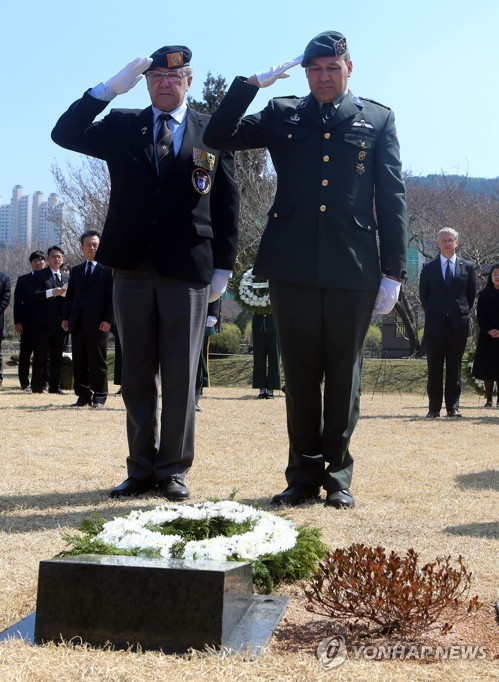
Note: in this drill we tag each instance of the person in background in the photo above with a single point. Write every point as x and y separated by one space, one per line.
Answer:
88 315
340 194
486 363
4 302
266 356
447 289
203 376
170 236
24 318
50 289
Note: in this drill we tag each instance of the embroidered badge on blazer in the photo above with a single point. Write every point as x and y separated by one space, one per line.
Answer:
201 181
203 159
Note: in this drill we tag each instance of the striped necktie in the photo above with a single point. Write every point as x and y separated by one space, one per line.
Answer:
164 142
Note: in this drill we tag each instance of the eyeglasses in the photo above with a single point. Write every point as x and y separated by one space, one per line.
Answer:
156 77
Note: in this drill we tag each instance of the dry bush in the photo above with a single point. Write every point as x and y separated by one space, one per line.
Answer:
388 595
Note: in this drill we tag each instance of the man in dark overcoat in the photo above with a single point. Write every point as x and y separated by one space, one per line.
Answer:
447 290
24 317
4 302
50 289
339 191
170 236
88 315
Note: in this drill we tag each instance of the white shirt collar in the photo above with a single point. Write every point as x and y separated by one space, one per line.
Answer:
178 114
443 259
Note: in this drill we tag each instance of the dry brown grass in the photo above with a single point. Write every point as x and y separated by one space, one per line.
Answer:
427 485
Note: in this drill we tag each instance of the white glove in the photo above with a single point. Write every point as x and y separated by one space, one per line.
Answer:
273 73
211 321
387 296
218 286
129 76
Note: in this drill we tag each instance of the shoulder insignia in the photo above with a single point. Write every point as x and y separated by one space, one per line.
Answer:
373 101
303 102
358 102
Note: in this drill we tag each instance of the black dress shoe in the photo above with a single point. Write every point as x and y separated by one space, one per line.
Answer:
57 391
432 414
97 404
81 402
132 486
454 412
174 489
296 494
340 499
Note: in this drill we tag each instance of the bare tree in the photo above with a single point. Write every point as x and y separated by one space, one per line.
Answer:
84 188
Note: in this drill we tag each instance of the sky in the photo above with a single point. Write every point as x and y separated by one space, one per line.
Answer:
434 62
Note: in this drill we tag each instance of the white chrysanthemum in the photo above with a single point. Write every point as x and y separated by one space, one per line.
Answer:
270 534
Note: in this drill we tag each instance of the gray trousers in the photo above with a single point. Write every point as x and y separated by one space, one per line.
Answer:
321 334
161 324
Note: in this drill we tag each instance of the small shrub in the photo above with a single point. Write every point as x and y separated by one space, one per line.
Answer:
387 595
228 341
372 341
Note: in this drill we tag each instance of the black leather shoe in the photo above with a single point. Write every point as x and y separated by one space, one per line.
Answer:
340 499
132 486
432 414
296 494
454 412
81 402
174 489
97 404
57 391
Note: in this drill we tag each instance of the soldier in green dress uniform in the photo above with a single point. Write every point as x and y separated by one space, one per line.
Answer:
333 249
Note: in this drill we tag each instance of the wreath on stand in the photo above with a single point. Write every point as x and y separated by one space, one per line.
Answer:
252 293
475 384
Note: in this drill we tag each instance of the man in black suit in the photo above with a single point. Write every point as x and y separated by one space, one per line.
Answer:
337 157
4 302
88 315
170 236
24 316
447 289
50 288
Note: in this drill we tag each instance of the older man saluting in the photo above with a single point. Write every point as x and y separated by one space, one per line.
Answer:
170 236
337 158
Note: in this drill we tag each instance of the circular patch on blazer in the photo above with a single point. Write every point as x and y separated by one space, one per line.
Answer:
201 181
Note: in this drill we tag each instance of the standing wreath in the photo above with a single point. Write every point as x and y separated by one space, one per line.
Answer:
252 293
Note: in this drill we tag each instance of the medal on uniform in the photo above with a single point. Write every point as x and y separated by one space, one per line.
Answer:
361 156
203 159
360 169
201 181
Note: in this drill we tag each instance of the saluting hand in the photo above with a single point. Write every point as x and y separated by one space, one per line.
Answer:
273 73
129 76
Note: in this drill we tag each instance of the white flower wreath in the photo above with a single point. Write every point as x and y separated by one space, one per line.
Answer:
254 294
269 535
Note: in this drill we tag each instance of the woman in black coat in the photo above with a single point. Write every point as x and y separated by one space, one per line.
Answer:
486 364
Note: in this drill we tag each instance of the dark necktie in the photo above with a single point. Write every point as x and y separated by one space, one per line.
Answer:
164 141
327 110
58 280
88 271
448 275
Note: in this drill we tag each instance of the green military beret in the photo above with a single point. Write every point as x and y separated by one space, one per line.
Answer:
326 44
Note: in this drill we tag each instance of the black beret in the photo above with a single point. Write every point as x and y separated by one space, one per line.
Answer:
170 57
327 44
36 254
